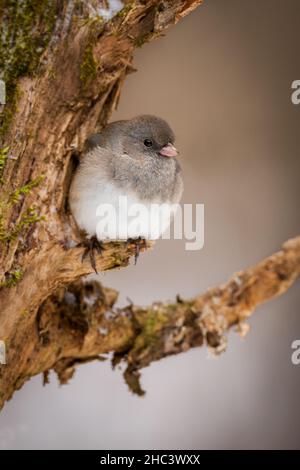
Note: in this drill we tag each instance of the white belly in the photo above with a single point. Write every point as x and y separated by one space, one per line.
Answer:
111 215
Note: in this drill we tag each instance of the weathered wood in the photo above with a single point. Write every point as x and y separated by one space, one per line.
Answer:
63 66
79 323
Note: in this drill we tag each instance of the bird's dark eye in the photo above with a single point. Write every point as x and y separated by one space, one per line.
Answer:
148 143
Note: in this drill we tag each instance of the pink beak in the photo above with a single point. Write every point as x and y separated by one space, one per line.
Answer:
169 151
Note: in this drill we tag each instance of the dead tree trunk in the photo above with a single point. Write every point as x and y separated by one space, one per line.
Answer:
63 65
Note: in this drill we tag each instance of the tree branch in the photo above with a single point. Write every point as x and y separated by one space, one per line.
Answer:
79 324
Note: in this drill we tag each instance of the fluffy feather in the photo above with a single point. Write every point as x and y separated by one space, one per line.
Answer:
117 164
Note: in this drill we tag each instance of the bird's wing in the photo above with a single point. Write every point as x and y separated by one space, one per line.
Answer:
106 138
94 140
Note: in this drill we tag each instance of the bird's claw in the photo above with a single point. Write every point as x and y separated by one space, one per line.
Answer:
91 245
138 243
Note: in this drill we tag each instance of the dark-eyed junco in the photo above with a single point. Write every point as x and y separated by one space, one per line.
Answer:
131 161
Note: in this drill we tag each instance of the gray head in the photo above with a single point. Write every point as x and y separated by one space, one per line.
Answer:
151 168
149 136
144 137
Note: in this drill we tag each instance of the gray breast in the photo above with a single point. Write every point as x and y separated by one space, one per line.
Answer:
154 180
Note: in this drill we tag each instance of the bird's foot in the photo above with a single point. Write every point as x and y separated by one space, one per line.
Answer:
91 245
138 242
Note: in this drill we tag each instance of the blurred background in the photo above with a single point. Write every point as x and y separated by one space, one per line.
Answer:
222 78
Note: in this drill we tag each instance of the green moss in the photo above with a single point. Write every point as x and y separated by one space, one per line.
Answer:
88 66
155 322
26 28
29 217
3 158
150 323
15 196
11 279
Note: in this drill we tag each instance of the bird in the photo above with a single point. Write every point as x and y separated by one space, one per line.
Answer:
133 159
